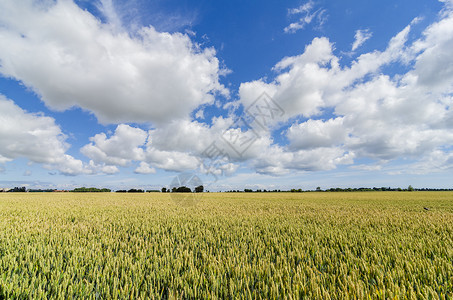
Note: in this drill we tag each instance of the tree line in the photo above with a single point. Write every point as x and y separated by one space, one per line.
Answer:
361 189
183 189
200 189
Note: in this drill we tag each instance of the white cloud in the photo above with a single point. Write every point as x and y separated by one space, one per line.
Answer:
307 83
373 115
183 145
69 58
299 90
434 66
364 167
176 146
35 137
361 36
436 161
334 113
304 8
108 169
278 161
448 4
199 114
407 116
171 160
120 149
144 168
185 136
306 15
107 8
317 133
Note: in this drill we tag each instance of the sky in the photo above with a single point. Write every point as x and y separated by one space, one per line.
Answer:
239 94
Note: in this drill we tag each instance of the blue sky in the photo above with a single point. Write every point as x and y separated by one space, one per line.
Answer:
245 94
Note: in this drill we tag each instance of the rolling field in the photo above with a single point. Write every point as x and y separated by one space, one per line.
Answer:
229 245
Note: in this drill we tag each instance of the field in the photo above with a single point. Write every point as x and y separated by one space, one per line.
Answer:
229 245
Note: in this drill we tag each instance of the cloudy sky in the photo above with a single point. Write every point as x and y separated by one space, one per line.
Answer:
246 94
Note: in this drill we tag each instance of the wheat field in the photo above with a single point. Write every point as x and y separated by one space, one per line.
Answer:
382 245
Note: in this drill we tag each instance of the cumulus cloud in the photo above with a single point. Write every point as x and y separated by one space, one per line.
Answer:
361 36
169 148
370 114
314 80
174 147
35 137
70 58
178 146
110 170
317 133
334 113
279 161
185 136
144 168
434 66
436 161
375 115
171 160
191 146
119 149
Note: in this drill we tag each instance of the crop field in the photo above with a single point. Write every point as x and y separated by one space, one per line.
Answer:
229 245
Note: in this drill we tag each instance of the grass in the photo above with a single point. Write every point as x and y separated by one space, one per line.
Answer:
230 245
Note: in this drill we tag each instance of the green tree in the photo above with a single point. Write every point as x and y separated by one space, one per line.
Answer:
183 189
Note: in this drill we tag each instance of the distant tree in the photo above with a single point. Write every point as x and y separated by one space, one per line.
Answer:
164 190
18 190
39 191
183 189
318 189
199 189
410 188
91 190
248 190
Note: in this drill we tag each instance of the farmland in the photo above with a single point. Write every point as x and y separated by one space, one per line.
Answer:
228 245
